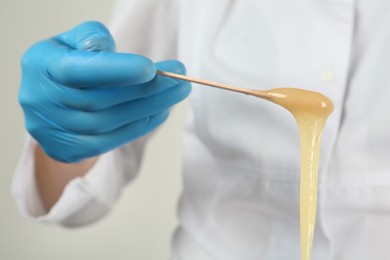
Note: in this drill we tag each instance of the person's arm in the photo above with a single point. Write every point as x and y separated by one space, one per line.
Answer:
82 100
52 176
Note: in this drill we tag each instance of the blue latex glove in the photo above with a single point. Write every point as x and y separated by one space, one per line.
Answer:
81 99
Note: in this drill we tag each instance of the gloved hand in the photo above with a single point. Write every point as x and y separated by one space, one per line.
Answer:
81 99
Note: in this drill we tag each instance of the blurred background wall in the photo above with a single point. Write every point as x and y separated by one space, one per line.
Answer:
141 224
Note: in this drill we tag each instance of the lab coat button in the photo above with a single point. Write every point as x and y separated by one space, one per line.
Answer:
327 76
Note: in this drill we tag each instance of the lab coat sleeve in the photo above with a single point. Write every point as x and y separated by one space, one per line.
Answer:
85 199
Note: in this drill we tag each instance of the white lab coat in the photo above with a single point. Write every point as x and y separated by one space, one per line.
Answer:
241 154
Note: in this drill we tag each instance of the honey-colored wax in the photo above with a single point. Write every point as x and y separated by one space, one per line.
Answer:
310 110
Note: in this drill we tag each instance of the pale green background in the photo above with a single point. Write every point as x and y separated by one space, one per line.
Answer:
141 224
